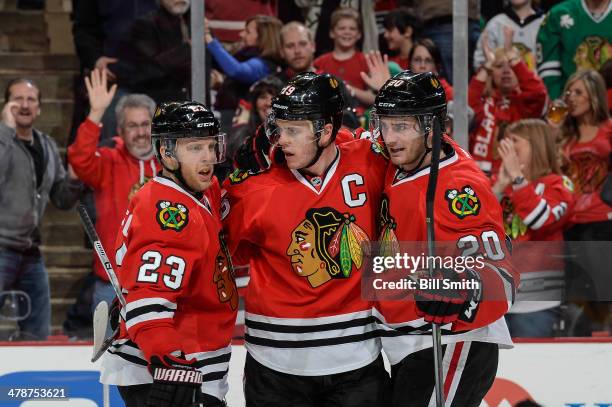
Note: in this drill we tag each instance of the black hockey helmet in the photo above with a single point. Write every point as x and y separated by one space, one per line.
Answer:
310 96
413 94
185 119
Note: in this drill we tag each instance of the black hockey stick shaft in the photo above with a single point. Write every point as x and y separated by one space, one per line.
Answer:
431 248
97 245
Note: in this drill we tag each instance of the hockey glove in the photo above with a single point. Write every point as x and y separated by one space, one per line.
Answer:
176 383
448 296
114 314
256 154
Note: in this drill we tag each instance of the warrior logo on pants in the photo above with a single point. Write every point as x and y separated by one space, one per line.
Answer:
326 245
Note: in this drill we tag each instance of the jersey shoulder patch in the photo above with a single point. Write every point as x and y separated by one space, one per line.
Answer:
463 202
171 215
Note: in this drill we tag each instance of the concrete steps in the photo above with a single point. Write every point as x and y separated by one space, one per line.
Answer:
66 256
65 282
23 31
37 61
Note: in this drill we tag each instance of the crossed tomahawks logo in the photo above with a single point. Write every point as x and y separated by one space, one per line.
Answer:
171 216
463 203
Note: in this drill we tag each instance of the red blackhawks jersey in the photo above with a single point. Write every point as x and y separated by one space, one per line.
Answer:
302 238
535 217
176 274
466 212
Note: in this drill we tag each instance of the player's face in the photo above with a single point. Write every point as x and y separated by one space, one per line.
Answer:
28 106
504 77
297 140
577 99
196 156
522 147
136 132
346 33
422 61
249 34
298 50
403 138
301 250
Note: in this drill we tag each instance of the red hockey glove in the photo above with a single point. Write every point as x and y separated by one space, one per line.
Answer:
448 296
256 153
176 383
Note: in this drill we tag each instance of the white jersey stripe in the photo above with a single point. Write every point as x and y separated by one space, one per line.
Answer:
150 316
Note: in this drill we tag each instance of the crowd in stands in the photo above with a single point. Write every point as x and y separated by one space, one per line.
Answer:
539 110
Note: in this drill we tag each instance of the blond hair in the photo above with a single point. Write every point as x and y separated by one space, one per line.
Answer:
544 149
598 99
342 13
295 26
268 35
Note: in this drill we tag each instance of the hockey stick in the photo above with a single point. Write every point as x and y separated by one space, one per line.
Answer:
431 248
108 268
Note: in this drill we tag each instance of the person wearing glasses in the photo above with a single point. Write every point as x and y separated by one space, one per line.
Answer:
115 173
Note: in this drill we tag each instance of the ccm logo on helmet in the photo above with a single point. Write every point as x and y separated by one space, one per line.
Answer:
280 106
386 104
205 124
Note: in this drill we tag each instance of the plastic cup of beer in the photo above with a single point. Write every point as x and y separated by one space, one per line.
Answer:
557 111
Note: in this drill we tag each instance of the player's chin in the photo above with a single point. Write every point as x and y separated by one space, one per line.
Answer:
294 162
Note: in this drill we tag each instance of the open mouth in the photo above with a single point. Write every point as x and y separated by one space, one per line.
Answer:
206 174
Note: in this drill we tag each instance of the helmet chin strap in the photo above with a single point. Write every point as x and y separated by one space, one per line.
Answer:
427 148
320 150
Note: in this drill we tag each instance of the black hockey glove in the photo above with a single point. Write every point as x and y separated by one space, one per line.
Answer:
114 314
255 155
448 296
175 382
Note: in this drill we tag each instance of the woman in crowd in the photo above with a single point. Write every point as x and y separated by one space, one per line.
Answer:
503 91
258 58
425 57
586 137
537 203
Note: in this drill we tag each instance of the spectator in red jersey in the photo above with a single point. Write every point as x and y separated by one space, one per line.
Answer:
402 26
587 144
425 57
114 173
537 202
504 90
346 61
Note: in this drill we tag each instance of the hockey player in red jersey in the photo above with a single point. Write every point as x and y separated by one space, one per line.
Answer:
311 338
175 272
467 215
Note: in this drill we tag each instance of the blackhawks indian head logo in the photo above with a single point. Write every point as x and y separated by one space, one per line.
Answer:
389 245
326 245
173 216
592 53
223 276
